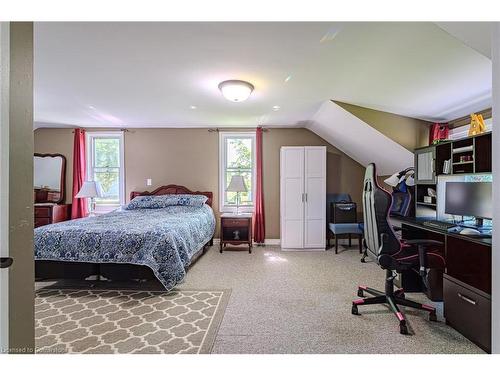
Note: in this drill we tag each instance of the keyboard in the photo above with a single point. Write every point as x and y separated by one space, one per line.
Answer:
441 225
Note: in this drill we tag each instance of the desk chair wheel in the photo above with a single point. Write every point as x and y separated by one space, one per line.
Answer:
354 310
360 293
403 329
433 317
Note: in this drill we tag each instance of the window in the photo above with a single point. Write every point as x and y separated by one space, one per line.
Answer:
463 131
105 165
236 157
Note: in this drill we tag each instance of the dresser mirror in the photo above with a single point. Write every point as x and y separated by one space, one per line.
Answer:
49 178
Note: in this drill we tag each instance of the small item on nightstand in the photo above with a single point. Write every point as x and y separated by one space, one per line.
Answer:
236 235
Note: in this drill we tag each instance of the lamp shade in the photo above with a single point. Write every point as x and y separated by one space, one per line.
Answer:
90 189
393 180
237 185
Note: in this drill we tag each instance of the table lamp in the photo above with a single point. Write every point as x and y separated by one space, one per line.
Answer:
237 185
90 189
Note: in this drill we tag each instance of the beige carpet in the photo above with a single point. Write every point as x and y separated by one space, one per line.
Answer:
119 321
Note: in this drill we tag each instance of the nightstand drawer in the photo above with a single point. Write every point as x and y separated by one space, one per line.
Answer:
39 221
235 222
43 212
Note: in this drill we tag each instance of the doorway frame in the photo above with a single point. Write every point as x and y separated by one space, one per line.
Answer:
4 181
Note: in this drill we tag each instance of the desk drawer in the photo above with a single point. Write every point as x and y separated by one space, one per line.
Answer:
235 222
468 312
43 212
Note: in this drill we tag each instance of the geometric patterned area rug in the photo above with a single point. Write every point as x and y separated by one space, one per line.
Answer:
127 321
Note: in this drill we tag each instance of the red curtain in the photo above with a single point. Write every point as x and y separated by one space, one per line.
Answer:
79 206
438 131
259 224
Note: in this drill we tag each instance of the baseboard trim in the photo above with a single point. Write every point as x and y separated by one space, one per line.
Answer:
267 242
304 250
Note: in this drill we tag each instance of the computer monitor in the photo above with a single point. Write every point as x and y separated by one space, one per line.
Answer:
469 199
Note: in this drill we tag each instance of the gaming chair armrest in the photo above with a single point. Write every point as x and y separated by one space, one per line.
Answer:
396 228
424 243
422 246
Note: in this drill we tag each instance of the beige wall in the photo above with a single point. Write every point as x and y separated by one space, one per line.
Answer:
21 273
409 132
190 157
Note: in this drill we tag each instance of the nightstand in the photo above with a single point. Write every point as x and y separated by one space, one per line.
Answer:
236 230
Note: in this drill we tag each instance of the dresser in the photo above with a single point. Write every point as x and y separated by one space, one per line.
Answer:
47 213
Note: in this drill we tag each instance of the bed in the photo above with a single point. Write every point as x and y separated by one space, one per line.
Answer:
138 243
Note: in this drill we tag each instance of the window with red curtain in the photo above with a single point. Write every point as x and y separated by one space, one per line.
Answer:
259 224
79 205
438 131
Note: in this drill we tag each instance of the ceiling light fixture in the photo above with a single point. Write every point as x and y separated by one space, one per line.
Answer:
236 90
276 108
192 107
288 78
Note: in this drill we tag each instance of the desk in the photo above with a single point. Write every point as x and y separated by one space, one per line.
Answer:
466 281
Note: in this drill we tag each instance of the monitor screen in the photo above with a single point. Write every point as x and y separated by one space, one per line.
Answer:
469 199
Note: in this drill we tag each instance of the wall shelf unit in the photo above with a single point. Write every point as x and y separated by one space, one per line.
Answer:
471 155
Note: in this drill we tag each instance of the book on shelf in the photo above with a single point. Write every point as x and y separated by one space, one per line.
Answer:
447 166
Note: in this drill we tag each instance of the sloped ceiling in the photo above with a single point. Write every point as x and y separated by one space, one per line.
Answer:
150 74
359 140
476 35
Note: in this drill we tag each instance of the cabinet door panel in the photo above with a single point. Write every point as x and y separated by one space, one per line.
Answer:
424 162
292 196
315 198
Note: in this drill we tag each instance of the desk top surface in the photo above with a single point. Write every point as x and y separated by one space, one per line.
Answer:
416 222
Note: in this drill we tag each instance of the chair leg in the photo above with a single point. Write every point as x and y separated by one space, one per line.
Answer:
336 244
419 306
349 239
373 292
403 329
367 301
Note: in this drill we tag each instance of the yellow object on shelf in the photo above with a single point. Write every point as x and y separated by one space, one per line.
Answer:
477 125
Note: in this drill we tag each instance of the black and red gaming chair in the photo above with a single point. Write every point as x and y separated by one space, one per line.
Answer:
392 254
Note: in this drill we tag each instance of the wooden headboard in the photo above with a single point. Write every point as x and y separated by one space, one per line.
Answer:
173 189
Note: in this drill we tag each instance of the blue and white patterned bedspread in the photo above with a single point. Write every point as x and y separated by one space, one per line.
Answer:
163 239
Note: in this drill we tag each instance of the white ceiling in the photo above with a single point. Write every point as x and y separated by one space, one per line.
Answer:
476 35
149 74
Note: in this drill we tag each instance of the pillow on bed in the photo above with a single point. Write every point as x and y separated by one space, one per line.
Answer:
162 201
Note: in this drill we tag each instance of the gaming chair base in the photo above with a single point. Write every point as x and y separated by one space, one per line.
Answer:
393 299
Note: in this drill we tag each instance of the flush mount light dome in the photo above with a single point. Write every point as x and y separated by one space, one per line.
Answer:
235 90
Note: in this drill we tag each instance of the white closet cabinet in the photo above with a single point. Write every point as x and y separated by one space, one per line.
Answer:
303 197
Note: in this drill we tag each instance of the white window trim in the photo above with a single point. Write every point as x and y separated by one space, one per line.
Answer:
463 131
111 134
222 163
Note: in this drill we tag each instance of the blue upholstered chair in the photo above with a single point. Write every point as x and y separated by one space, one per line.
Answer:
343 221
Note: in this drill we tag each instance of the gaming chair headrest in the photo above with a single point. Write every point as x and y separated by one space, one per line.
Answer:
376 205
370 180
